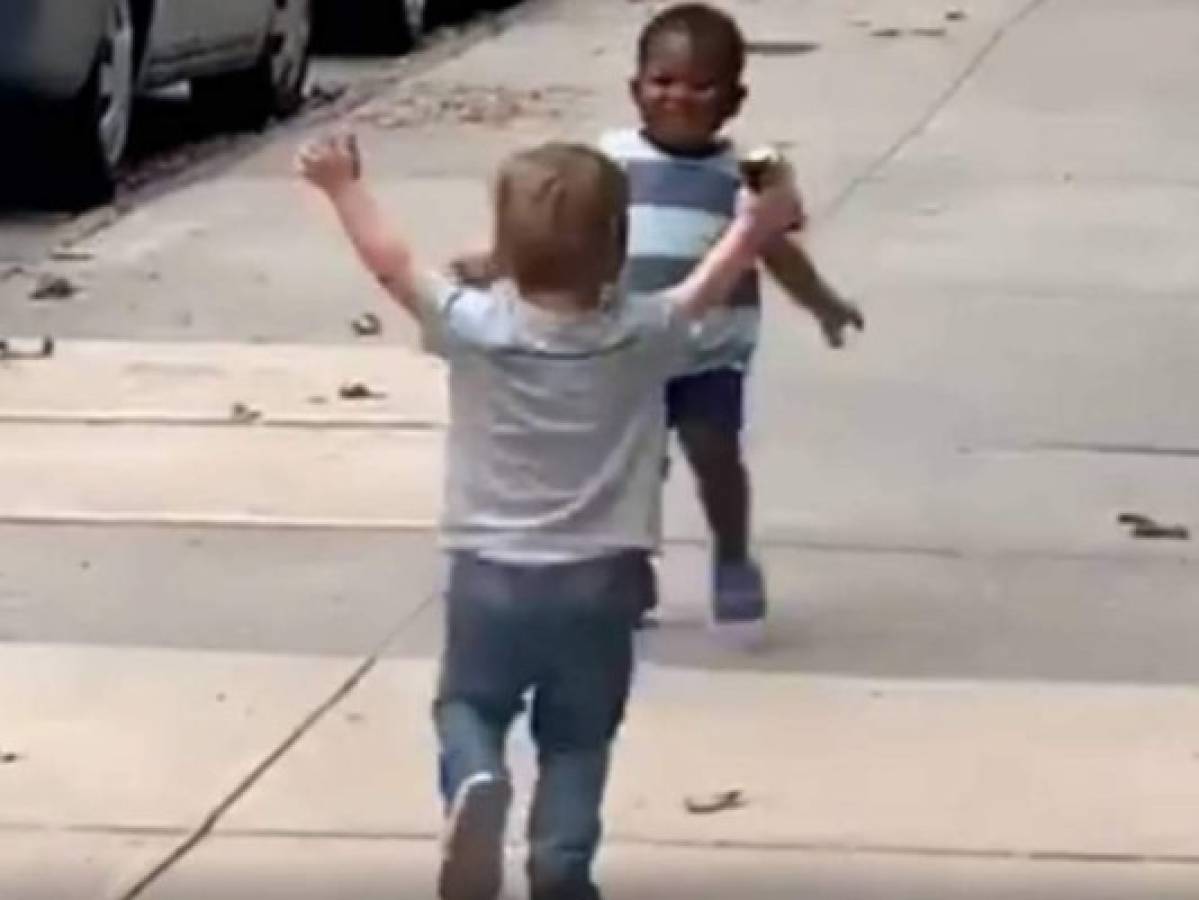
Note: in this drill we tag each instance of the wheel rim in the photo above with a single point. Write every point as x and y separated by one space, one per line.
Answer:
415 12
114 78
293 31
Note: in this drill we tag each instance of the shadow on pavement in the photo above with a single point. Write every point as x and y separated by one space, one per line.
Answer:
885 615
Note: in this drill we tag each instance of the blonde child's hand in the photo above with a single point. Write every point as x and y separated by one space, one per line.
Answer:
330 163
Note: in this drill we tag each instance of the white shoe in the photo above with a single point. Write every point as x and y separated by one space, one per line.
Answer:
472 862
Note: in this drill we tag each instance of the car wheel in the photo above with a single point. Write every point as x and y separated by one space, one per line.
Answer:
496 5
274 87
373 26
88 134
414 20
450 12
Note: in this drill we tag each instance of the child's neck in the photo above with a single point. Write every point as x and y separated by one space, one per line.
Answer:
565 303
712 145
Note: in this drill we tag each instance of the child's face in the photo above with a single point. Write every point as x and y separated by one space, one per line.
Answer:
685 93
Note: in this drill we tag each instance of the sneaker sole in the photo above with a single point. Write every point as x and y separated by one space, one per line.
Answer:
473 867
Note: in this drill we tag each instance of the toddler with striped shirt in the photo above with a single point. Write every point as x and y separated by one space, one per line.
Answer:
683 181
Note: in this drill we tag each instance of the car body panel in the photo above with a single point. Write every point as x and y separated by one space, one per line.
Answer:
189 38
48 47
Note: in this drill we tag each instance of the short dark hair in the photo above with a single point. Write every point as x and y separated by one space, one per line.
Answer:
704 25
560 218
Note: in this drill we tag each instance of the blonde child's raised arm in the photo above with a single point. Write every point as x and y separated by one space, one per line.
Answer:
333 166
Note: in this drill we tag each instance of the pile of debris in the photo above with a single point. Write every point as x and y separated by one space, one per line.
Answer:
429 103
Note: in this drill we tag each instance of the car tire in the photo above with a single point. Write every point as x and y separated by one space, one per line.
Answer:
450 12
84 139
496 5
274 86
373 26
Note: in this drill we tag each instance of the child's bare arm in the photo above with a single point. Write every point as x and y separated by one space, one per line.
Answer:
761 219
333 166
791 266
478 270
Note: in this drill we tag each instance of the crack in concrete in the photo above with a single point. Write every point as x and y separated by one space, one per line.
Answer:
928 851
1100 448
780 540
95 828
849 848
832 847
197 835
105 419
917 128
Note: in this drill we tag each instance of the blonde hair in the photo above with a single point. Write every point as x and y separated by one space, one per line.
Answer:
560 219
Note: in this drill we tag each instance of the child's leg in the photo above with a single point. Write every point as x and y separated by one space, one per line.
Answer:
578 706
483 676
483 673
714 454
706 410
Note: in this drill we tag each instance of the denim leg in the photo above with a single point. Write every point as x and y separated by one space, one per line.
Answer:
564 824
470 742
578 705
484 669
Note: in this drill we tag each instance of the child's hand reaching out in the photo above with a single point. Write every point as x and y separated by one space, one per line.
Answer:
836 315
330 163
768 177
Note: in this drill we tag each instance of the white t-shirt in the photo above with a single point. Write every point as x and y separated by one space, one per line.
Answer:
557 424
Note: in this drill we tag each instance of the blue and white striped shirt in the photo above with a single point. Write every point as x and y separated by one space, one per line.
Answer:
679 206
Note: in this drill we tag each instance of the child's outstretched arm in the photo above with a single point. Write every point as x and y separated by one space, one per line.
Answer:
791 266
477 270
333 166
762 218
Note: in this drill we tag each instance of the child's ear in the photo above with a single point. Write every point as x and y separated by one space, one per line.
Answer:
740 93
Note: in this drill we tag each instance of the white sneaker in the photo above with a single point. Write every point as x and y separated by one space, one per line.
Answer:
472 862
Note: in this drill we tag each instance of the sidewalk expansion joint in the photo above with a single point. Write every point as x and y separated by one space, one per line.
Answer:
867 848
617 839
777 542
94 828
804 847
159 420
943 100
205 828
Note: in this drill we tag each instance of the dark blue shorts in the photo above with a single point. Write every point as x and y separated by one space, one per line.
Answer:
715 398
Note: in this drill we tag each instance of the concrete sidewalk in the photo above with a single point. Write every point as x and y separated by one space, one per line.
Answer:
290 868
114 432
853 786
979 685
111 432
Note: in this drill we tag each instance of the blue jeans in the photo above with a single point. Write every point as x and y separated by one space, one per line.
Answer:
562 634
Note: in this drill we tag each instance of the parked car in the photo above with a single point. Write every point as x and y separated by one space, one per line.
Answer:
390 26
69 71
